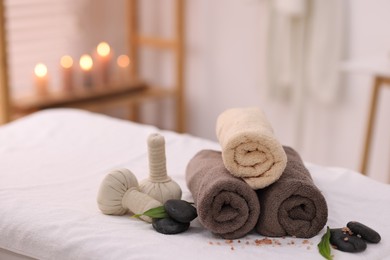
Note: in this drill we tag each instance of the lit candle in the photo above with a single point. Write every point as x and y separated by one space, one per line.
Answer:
123 69
41 79
103 58
86 64
67 72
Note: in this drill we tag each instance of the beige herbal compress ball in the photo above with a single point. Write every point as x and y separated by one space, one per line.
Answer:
159 185
118 193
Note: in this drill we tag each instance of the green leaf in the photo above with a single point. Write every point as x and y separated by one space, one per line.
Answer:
324 245
158 212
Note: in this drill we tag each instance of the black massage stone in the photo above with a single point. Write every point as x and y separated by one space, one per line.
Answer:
365 232
180 210
169 226
343 240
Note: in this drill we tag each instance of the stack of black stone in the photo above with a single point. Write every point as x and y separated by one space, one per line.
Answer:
353 238
180 214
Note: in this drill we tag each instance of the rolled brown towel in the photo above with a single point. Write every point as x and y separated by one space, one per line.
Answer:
226 205
293 205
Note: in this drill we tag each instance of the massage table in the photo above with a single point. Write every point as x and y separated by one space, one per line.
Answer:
53 161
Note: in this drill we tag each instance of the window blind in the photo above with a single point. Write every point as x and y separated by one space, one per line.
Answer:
38 31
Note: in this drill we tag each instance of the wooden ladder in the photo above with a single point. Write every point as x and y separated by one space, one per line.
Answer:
5 109
175 44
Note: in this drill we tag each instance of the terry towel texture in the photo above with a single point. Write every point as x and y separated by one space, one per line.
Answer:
226 205
249 147
293 205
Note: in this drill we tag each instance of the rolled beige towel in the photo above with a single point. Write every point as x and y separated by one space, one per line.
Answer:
249 148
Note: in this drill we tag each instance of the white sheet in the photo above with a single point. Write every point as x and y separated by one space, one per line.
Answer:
51 165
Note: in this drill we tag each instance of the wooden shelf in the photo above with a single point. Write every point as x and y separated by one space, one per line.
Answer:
77 98
93 99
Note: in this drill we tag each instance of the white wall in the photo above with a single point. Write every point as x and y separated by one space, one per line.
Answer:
225 68
223 60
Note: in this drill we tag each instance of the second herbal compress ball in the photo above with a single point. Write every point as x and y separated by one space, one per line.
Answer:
159 185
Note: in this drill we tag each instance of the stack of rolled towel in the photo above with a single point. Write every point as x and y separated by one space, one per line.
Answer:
254 182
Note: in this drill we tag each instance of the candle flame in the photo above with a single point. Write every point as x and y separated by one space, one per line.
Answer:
123 61
40 70
103 49
86 62
66 62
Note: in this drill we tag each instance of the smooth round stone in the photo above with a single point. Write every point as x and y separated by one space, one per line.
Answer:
343 241
180 210
169 226
365 232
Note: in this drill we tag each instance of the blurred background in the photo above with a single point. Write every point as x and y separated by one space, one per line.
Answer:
310 66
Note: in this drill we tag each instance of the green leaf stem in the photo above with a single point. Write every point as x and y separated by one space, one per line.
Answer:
324 245
158 212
